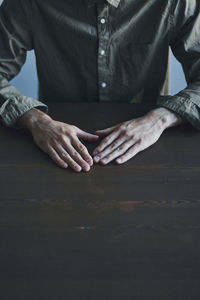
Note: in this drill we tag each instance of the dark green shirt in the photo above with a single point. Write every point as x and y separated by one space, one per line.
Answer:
90 51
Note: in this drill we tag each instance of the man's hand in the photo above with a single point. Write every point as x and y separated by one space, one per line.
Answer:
59 140
126 139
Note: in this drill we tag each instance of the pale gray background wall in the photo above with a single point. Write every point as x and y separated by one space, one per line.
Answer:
26 80
177 78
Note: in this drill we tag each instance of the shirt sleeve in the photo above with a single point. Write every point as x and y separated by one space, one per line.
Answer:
15 41
185 45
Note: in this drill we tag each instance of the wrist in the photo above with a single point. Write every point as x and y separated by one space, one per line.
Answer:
31 118
166 117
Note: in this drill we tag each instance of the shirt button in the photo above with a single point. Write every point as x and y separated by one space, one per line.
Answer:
102 52
103 84
103 21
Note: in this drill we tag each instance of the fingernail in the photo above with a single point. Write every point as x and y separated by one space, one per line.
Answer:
78 168
86 167
96 158
89 160
104 160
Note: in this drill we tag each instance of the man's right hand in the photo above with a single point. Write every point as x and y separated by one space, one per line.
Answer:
59 140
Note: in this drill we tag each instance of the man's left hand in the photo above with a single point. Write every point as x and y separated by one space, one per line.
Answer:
123 141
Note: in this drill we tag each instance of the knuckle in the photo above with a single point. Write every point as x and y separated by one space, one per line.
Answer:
74 128
113 145
82 148
122 127
107 139
72 131
64 154
119 148
70 134
127 133
62 137
75 154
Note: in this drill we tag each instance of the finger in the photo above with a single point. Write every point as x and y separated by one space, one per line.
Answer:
106 142
87 136
82 150
106 130
130 153
78 158
122 148
120 140
117 152
68 148
67 158
56 158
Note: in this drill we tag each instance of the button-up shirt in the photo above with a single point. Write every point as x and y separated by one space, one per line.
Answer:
98 50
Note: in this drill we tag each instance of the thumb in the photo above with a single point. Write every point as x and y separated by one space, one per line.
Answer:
87 136
105 131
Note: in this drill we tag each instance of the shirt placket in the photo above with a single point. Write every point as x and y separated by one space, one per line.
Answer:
103 39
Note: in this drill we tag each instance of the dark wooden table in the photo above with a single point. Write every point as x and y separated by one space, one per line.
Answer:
118 232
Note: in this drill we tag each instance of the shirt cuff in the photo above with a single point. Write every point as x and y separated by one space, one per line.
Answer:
186 108
13 109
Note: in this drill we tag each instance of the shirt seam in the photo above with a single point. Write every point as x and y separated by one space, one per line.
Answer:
171 16
31 22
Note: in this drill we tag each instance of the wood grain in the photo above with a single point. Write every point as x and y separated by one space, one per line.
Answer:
118 232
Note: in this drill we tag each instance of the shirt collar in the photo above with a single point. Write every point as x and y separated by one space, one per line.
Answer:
114 3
